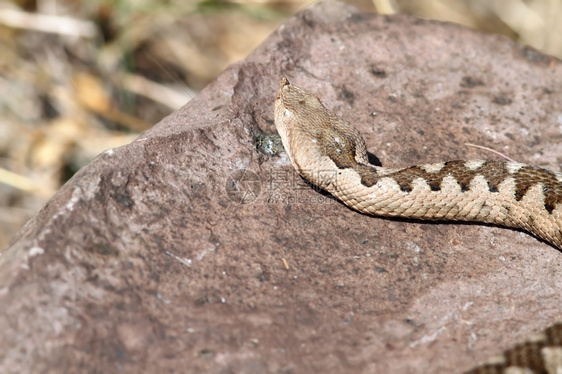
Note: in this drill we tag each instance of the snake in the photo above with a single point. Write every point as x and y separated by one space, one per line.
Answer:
330 153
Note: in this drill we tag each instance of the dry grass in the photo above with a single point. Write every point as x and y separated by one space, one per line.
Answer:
77 78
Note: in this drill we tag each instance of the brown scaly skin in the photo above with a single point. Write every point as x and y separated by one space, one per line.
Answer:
331 154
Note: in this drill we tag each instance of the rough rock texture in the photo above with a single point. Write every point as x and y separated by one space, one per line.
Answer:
162 256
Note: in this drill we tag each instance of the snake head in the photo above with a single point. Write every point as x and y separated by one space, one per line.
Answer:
314 138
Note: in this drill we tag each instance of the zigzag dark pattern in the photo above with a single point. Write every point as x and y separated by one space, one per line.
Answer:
529 356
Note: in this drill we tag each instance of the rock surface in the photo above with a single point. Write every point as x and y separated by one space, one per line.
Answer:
165 256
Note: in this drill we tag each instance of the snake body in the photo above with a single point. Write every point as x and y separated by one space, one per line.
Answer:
331 154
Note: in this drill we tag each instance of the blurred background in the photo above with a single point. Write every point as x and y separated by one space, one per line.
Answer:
79 77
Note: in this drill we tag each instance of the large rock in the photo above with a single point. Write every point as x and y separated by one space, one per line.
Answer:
163 256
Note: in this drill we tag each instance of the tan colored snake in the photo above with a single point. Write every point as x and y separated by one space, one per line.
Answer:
331 154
